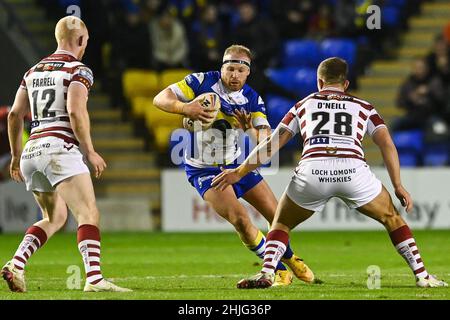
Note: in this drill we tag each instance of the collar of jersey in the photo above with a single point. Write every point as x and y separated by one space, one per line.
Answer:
332 89
65 52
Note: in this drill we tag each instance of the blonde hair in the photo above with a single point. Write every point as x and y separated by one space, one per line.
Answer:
238 49
69 28
333 70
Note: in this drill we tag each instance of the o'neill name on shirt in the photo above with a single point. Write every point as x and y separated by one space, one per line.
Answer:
331 105
44 82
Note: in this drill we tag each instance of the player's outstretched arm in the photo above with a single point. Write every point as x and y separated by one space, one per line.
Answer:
260 155
18 111
77 96
167 101
383 140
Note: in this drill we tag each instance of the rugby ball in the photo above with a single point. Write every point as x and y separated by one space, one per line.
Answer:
209 101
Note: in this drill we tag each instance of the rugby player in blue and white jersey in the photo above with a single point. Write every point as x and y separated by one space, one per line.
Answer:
241 108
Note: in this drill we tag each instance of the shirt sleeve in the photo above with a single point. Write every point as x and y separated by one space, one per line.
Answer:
23 83
374 122
84 76
290 121
188 88
259 114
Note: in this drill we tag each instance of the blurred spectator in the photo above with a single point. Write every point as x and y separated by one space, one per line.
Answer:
258 34
262 84
5 155
421 96
321 24
184 10
130 48
150 9
439 64
345 15
291 17
447 33
208 41
439 59
99 29
169 42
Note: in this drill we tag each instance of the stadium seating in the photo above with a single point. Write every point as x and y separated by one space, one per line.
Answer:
436 155
343 48
408 158
410 146
409 140
138 106
140 86
172 76
155 117
301 53
140 83
159 123
305 80
277 107
283 77
390 16
394 3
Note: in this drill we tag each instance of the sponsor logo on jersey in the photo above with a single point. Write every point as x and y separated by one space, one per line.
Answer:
203 179
319 140
85 72
189 79
50 66
338 97
68 147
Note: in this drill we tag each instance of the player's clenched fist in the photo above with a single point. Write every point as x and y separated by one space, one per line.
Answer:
97 163
14 170
405 198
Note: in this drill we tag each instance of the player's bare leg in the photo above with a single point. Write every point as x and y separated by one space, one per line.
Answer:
226 204
383 210
288 215
78 193
262 198
54 212
228 207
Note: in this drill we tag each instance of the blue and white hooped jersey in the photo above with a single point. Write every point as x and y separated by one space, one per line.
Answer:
215 148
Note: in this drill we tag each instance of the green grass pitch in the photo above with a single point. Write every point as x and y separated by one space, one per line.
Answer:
204 266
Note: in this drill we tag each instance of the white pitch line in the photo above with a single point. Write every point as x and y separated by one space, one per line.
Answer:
181 276
207 276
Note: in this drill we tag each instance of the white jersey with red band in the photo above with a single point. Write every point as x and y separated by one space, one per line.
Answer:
47 84
332 124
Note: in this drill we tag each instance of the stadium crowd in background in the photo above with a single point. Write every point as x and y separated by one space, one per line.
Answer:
192 33
425 94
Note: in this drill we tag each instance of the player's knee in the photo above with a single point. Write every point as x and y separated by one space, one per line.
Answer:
88 213
391 219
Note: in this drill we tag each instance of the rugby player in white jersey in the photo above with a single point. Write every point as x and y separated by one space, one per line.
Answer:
332 124
51 163
241 108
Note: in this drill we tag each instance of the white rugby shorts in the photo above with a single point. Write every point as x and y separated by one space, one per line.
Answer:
49 160
316 181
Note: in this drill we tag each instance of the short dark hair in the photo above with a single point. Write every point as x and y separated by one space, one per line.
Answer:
333 70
